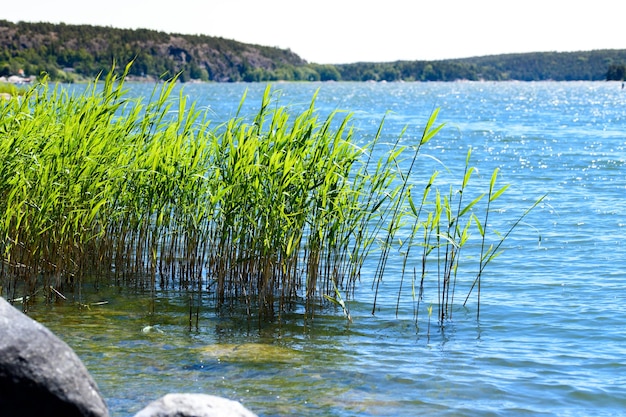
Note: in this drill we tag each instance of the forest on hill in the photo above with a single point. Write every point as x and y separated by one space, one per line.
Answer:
70 53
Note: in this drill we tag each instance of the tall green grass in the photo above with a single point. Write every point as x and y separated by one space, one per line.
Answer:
262 212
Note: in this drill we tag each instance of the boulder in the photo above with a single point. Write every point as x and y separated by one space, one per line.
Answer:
194 405
40 375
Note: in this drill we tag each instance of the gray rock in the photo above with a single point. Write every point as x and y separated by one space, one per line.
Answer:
194 405
40 375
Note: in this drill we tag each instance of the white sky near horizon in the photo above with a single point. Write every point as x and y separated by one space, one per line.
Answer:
346 31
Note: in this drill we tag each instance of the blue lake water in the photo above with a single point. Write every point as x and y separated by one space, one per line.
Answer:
551 335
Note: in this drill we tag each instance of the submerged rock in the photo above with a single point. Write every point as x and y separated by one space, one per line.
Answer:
251 352
40 375
194 405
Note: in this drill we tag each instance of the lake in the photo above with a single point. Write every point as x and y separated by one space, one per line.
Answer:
550 339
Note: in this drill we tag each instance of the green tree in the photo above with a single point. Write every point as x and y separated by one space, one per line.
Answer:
5 70
616 72
328 73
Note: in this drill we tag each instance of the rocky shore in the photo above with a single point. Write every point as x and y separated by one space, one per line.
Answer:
16 79
40 375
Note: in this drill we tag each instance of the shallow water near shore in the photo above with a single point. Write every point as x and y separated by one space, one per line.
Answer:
550 339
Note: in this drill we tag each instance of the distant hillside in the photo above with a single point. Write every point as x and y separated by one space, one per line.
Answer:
78 52
67 51
558 66
536 66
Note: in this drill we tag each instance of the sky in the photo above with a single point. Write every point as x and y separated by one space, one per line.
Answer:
348 31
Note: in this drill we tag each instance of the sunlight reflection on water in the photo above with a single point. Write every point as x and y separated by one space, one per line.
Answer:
550 336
